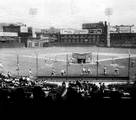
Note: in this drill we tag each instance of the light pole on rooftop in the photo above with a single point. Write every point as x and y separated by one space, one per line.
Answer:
108 13
33 14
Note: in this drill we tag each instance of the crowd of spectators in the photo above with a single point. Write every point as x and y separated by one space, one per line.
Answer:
26 92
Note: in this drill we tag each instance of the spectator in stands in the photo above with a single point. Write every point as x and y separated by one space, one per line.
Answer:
38 95
19 96
20 80
63 84
73 95
102 87
69 83
78 83
2 75
9 75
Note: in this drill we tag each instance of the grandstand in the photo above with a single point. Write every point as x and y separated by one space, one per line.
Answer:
23 93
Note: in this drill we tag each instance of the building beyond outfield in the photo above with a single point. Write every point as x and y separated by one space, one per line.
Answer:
91 34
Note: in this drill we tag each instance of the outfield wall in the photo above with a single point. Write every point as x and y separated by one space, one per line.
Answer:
11 45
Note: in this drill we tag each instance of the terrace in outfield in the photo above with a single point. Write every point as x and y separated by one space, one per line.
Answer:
42 60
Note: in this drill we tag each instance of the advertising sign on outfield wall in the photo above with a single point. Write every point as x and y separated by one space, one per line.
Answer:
11 34
24 29
124 29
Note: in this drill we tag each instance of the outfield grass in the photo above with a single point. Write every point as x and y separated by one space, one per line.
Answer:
27 60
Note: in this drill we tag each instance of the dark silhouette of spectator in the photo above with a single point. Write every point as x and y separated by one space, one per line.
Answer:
63 84
19 95
9 75
78 83
73 96
38 95
102 87
3 96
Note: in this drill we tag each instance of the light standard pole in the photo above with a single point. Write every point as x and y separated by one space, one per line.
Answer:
108 13
97 64
129 66
67 64
36 64
82 69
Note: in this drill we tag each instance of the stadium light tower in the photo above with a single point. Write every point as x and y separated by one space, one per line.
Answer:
33 14
108 13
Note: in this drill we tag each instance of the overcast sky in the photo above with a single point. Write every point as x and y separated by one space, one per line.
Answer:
67 13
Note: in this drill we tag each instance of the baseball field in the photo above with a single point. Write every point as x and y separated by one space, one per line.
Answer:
42 61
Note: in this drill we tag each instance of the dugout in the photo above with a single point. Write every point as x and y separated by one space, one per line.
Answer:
82 57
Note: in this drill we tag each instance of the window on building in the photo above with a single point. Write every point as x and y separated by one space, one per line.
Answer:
30 44
36 44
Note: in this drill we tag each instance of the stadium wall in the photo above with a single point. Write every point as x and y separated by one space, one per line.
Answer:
123 40
11 45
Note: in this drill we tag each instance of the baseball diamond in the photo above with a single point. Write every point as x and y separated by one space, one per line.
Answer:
42 61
